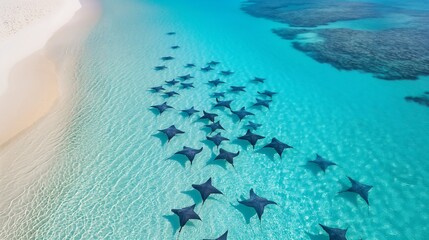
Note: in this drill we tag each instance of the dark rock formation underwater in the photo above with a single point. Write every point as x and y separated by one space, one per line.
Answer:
400 52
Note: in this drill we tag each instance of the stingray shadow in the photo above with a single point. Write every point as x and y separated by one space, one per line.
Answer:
246 127
195 195
234 118
242 143
268 152
348 196
206 130
220 163
314 169
153 91
181 159
155 111
199 120
259 108
236 92
317 236
209 144
162 137
184 115
220 108
211 198
247 212
173 219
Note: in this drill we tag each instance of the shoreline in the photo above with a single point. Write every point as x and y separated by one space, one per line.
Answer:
32 92
28 79
27 158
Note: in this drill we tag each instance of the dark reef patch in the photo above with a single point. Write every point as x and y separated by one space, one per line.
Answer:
422 99
394 54
311 13
397 53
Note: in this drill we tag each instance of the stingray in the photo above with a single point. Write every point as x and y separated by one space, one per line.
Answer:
206 69
172 82
322 162
159 68
175 47
242 113
223 237
359 188
221 103
215 126
226 73
185 77
171 94
267 93
216 82
238 89
161 108
190 111
218 94
167 58
171 33
213 63
335 233
206 189
209 116
258 80
256 202
189 65
171 132
278 146
187 85
253 125
157 89
190 153
251 137
217 139
186 214
261 102
227 156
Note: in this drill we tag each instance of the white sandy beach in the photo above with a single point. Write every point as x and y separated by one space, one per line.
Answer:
25 96
40 42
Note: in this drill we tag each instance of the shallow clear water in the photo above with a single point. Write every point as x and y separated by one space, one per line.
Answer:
115 181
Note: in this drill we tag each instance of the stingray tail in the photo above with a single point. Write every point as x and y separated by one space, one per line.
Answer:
178 235
234 169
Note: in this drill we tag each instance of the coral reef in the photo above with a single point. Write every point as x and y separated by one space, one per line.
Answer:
311 13
394 54
400 53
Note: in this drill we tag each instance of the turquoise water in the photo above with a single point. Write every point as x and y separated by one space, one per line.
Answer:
114 179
